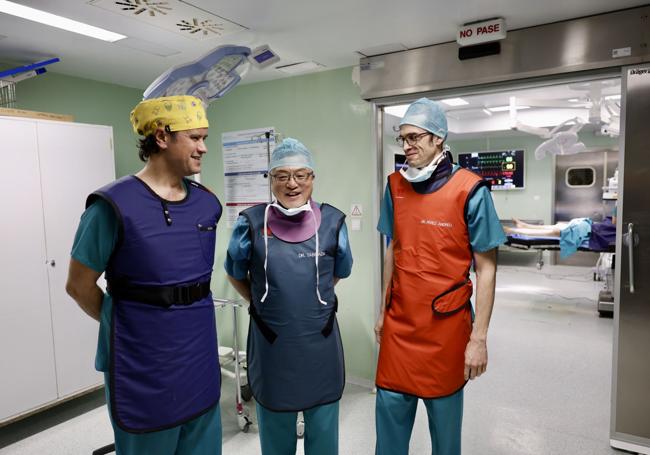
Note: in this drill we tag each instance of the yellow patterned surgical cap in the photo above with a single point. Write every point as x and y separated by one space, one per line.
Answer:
173 113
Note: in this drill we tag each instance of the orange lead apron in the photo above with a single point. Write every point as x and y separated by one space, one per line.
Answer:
428 320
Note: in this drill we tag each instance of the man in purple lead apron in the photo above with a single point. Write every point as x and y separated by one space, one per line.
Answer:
153 233
285 259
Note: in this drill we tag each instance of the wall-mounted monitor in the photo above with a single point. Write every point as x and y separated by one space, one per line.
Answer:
504 170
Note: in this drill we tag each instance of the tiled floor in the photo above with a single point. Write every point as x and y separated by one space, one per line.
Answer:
546 392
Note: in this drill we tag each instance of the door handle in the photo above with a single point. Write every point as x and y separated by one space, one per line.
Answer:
631 240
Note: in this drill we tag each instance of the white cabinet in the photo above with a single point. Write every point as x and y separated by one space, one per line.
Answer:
47 343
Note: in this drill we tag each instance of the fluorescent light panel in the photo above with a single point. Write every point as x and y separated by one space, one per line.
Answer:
454 102
613 97
505 108
397 111
53 20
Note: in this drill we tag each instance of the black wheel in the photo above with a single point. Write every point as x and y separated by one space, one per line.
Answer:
246 392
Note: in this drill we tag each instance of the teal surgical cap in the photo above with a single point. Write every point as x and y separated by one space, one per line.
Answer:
428 115
291 152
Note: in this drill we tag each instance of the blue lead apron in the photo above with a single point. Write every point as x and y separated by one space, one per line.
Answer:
164 368
294 350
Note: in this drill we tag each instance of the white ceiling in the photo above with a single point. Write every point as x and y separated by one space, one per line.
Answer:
329 32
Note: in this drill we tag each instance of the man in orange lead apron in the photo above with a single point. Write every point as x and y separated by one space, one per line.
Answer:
441 219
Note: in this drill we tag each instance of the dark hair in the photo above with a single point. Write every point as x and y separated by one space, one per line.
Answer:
148 146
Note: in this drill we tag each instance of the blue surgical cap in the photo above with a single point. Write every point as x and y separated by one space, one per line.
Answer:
291 152
428 115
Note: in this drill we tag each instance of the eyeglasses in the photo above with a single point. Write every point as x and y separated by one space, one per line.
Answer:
298 176
411 139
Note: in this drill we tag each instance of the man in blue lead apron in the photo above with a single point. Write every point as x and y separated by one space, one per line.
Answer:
285 258
153 233
441 219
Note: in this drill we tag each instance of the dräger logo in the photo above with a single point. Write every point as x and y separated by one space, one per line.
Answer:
443 224
639 72
309 255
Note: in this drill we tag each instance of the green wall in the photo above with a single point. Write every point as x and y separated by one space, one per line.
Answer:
89 102
326 113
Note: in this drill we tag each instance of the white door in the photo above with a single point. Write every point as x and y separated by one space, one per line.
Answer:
27 377
76 159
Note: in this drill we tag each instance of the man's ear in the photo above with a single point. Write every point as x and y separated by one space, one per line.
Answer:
437 140
161 138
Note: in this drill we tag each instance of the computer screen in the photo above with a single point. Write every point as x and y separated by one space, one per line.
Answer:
504 170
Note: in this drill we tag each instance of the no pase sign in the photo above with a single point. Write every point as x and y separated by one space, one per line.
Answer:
481 32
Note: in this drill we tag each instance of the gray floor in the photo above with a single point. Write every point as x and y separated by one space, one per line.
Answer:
547 388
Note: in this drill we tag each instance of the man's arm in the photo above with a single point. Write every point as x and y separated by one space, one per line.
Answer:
82 287
243 287
388 276
476 356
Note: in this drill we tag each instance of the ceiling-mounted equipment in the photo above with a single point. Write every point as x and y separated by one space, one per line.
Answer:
263 56
562 142
208 78
9 78
25 72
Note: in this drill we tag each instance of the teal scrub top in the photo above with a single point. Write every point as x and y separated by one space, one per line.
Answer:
485 231
239 252
93 245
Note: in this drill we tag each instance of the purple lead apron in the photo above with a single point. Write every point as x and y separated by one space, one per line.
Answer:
164 368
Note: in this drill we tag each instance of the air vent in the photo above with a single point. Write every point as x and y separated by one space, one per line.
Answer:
174 15
299 68
152 7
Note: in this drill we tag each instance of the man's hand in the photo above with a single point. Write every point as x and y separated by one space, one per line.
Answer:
476 358
379 328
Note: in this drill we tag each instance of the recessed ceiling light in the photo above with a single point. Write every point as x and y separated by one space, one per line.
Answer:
53 20
454 102
573 100
613 97
505 108
397 111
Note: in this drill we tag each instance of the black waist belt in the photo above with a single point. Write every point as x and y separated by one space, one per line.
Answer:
164 296
267 331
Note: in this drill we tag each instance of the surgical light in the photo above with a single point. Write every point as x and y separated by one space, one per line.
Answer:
53 20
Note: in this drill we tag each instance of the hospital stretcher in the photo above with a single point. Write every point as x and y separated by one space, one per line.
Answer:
541 244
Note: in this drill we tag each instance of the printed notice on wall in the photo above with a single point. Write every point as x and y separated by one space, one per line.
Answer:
245 163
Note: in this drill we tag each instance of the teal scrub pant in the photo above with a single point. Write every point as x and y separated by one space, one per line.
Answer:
278 430
199 436
395 414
